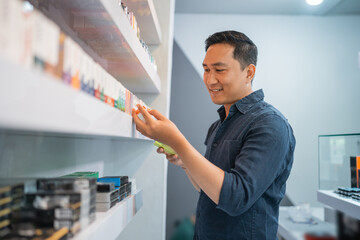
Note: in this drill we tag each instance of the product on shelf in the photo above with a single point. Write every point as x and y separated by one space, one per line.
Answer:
352 192
122 191
11 197
17 33
84 187
354 170
34 41
38 207
117 180
121 183
356 196
39 211
45 44
57 208
132 19
111 190
104 187
133 185
39 234
83 175
106 200
97 31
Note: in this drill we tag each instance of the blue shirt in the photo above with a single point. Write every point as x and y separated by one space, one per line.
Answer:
254 145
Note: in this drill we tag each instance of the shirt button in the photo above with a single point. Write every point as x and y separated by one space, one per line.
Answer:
215 145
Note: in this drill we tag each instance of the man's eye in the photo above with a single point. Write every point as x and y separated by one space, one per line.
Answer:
206 70
220 70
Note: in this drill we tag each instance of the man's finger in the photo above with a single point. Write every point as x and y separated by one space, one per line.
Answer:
145 113
157 114
160 150
138 122
171 156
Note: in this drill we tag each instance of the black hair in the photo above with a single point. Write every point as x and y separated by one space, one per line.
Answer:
245 51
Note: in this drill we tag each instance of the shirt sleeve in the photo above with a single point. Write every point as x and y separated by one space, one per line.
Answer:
261 159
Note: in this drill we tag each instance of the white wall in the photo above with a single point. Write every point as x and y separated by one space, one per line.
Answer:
308 68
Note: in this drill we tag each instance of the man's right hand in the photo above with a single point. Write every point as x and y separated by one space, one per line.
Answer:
172 158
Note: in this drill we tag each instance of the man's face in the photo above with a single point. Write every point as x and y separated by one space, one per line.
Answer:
223 77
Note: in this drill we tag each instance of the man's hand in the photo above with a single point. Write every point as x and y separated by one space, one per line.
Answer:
160 129
172 158
202 173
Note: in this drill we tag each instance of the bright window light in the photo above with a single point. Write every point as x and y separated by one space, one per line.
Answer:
314 2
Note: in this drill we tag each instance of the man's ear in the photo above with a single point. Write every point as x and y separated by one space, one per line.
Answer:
251 69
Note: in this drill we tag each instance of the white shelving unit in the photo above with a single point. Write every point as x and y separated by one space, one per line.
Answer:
345 205
103 26
33 101
36 102
108 225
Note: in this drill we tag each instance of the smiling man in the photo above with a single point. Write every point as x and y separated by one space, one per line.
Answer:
249 150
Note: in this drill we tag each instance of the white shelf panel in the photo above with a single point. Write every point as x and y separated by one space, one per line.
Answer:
110 224
345 205
103 26
147 20
33 101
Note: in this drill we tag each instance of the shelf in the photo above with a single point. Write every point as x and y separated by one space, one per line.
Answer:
103 26
146 18
142 77
33 101
110 224
345 205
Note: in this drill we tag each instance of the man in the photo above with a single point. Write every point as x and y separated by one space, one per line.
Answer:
249 151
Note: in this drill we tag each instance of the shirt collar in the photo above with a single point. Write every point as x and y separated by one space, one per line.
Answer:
244 104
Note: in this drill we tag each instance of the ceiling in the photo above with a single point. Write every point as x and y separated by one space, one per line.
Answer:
269 7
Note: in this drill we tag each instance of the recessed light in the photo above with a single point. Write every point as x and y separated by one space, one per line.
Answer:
314 2
27 7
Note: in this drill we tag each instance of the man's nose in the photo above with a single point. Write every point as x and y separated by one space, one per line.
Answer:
211 78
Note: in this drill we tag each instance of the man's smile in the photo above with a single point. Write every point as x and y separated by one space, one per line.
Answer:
216 90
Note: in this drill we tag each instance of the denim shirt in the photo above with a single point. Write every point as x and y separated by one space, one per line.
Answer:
254 146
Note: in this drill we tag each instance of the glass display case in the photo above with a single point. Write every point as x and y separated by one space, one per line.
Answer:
339 173
336 152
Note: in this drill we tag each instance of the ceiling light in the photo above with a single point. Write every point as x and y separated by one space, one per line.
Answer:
314 2
27 7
